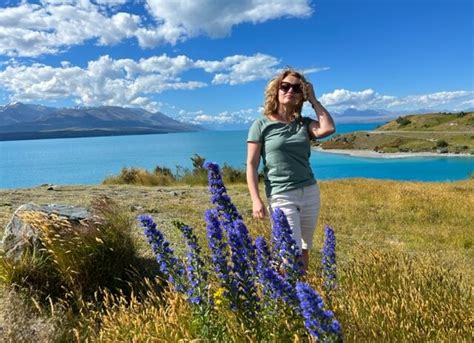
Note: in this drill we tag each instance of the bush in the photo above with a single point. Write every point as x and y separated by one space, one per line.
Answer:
403 121
441 143
141 177
164 171
75 261
163 176
233 175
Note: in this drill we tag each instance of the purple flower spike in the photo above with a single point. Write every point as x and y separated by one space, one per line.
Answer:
274 285
319 322
170 266
195 268
242 268
219 196
286 251
219 252
329 259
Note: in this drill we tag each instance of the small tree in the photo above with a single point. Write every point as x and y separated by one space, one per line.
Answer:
441 143
198 163
403 121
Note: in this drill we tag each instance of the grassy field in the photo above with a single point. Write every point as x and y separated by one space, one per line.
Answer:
435 132
405 249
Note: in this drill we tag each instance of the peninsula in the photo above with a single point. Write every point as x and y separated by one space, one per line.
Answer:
411 135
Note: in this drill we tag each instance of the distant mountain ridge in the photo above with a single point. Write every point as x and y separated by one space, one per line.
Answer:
27 121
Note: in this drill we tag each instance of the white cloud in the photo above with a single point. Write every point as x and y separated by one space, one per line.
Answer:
244 116
341 99
468 103
54 25
216 18
103 82
239 69
107 81
32 30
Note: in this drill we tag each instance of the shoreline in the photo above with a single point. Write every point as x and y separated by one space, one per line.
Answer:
387 155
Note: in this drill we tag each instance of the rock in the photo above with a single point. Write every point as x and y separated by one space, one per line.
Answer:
20 236
443 150
134 208
53 188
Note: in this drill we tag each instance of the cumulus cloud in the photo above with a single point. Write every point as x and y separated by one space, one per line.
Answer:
49 27
108 81
103 82
216 18
32 29
244 116
341 99
241 69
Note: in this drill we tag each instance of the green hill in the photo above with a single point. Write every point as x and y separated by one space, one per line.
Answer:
433 132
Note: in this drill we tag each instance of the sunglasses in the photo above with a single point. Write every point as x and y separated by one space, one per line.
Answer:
286 86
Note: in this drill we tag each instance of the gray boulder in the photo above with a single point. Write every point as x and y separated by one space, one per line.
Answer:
20 236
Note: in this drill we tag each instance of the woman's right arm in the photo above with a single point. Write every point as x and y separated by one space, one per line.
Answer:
253 159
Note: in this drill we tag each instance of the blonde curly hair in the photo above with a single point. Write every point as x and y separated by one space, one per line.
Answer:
271 93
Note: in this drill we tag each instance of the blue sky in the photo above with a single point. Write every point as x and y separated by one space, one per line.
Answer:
208 61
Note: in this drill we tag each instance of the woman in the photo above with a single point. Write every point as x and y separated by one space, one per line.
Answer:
282 138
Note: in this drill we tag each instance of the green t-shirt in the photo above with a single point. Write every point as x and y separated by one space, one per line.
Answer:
285 153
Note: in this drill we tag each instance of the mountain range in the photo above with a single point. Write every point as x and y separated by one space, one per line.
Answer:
27 121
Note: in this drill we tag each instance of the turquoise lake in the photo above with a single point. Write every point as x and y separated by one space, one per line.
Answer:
89 160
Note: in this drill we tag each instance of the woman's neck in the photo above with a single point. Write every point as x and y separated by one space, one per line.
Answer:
285 112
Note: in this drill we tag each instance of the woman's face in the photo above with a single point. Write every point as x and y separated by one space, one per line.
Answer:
290 91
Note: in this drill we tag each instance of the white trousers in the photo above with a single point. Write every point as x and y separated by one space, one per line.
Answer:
301 207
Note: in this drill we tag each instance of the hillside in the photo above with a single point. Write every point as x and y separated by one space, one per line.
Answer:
26 121
433 132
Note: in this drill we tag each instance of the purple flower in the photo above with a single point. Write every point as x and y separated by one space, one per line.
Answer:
219 252
169 265
286 251
329 259
219 196
319 322
242 267
195 268
274 285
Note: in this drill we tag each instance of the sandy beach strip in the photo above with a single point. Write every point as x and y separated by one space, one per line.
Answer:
374 154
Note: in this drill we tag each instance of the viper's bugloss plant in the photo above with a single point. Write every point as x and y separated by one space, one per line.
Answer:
319 322
219 249
195 267
273 284
328 259
285 249
243 268
170 266
252 280
219 196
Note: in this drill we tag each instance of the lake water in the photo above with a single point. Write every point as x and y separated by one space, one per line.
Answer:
89 160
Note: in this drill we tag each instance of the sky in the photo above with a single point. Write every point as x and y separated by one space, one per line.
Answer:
208 61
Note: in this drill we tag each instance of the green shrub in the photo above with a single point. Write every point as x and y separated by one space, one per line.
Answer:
441 143
403 121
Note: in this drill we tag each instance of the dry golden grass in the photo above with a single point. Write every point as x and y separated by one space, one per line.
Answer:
405 256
